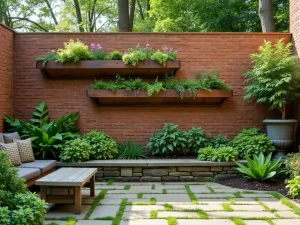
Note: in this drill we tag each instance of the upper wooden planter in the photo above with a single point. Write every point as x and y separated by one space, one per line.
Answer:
169 97
107 69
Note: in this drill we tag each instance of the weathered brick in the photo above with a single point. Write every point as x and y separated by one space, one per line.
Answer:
186 178
137 174
111 173
137 169
216 168
148 178
155 172
176 174
168 178
126 172
202 174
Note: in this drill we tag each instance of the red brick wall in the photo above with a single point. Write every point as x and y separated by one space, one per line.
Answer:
226 52
6 73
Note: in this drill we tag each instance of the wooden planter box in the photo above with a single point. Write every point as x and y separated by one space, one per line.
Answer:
170 97
107 69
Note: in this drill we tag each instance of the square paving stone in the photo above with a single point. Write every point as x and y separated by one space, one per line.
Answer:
213 201
137 200
204 222
240 215
94 222
63 211
59 222
169 198
277 206
122 196
104 211
215 185
286 222
143 207
140 189
255 222
199 189
118 192
145 222
177 214
136 215
225 195
269 199
257 195
227 190
245 201
86 192
287 214
173 191
253 208
195 207
110 187
110 201
167 186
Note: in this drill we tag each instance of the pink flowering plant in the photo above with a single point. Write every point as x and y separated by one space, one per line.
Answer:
97 52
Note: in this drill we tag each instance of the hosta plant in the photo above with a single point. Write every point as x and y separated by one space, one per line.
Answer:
294 187
275 77
102 145
261 168
196 139
131 150
219 141
77 150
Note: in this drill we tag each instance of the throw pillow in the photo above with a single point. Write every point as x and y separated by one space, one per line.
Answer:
8 137
13 152
25 150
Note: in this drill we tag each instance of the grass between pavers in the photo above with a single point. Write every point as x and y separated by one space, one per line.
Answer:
104 218
118 218
62 218
96 203
286 202
265 206
210 189
270 222
227 207
191 194
153 187
153 214
127 187
152 202
172 221
71 222
168 207
53 223
231 201
110 182
140 195
238 194
164 191
238 221
201 214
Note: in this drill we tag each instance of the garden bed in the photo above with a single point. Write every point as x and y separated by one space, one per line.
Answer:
107 69
168 97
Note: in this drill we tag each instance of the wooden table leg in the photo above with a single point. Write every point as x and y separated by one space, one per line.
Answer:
44 193
92 186
78 200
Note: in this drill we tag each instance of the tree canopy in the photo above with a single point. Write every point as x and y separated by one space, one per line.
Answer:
142 15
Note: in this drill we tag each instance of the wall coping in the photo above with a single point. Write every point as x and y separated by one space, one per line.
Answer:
154 33
147 163
8 28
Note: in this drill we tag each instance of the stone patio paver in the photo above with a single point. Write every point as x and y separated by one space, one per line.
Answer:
223 195
105 211
245 201
228 190
169 198
194 207
117 196
257 195
256 222
286 222
145 222
177 214
204 222
59 222
63 211
240 214
199 189
277 206
252 208
287 214
94 222
144 207
111 201
213 201
132 215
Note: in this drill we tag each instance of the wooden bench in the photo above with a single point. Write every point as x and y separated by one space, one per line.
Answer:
68 178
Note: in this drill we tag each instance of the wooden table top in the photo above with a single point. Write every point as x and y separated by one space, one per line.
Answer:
67 177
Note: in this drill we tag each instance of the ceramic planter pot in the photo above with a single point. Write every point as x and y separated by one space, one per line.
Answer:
281 133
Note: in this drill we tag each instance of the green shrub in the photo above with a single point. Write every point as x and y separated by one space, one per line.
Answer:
131 150
115 55
251 142
261 168
47 137
293 164
223 154
169 141
102 145
160 57
135 56
50 56
196 139
294 187
77 150
17 205
275 78
98 55
219 141
73 52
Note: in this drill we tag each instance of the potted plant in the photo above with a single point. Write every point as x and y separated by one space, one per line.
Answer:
273 81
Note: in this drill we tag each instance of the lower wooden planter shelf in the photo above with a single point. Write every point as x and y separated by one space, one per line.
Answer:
170 97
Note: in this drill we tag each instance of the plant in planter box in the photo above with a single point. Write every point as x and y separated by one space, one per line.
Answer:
273 81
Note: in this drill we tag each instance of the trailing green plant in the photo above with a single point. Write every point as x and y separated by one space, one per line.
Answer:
115 55
275 76
293 164
261 168
76 150
47 137
196 139
155 88
17 205
102 145
135 56
50 56
73 52
251 142
219 141
130 150
294 187
169 141
223 154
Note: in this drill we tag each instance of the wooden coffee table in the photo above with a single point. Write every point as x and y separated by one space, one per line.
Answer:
68 178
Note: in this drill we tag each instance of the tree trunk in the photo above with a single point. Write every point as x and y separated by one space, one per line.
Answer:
1 11
266 16
131 15
78 14
123 12
51 12
140 10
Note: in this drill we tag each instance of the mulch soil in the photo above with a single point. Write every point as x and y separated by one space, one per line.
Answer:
278 185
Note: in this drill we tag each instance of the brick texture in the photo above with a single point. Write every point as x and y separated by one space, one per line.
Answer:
226 52
6 73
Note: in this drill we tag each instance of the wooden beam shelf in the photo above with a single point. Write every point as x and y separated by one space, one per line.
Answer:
107 69
170 97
